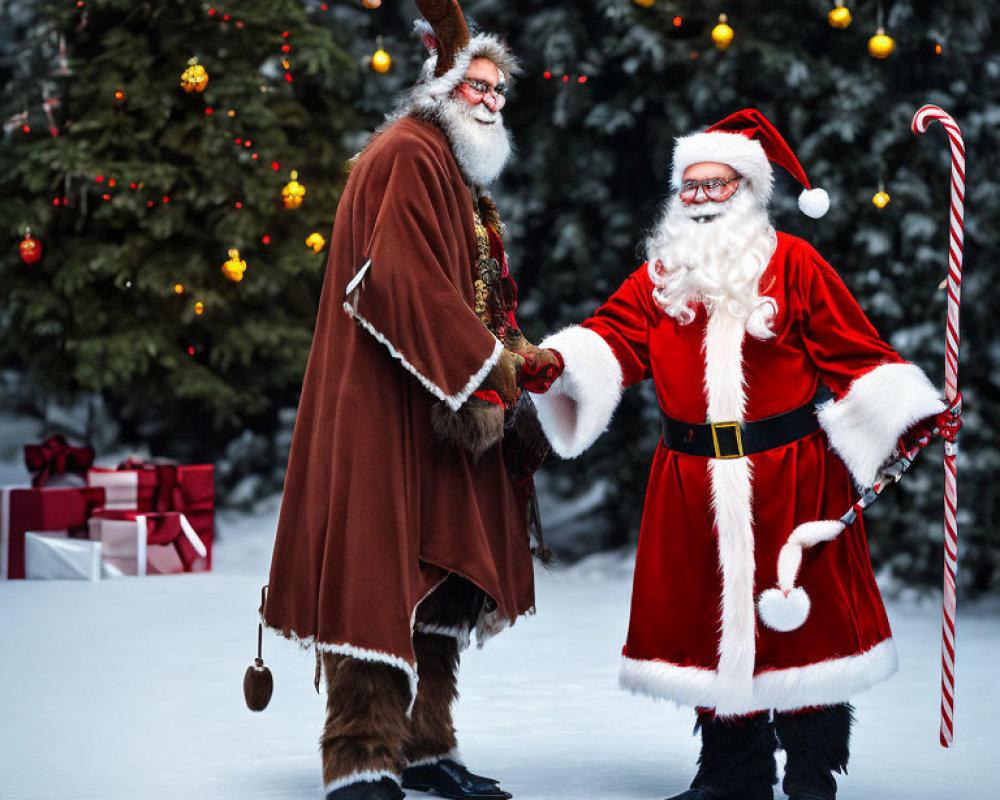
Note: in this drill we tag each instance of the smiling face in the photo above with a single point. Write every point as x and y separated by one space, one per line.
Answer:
472 120
482 88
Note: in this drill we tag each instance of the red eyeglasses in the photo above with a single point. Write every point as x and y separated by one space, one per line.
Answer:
715 190
477 90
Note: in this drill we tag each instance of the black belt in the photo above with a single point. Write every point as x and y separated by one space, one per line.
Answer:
736 439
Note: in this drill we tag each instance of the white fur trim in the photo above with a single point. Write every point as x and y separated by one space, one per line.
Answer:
783 611
375 656
731 504
724 382
580 404
460 633
451 755
833 681
865 424
366 776
453 401
814 202
731 495
744 155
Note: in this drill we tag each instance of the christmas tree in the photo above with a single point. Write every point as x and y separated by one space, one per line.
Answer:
137 188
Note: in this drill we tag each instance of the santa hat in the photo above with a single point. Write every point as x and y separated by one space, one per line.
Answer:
748 142
451 48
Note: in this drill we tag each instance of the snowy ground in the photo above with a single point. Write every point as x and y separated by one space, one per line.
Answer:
133 689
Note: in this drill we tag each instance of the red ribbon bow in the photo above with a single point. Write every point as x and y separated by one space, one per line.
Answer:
56 456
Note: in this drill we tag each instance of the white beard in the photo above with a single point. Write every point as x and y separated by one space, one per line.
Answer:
717 263
479 140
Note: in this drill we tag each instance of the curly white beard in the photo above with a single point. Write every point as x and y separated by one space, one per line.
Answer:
718 263
479 140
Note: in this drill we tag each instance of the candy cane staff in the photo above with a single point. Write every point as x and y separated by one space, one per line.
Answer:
741 329
956 227
404 520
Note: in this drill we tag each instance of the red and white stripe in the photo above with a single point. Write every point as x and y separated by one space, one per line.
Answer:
921 120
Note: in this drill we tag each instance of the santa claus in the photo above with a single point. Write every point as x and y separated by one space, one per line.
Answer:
774 392
404 521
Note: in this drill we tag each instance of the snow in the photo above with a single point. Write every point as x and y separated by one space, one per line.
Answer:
133 688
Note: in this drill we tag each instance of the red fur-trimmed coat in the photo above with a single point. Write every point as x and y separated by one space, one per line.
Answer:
712 528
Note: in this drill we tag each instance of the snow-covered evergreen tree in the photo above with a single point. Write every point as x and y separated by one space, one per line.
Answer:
146 188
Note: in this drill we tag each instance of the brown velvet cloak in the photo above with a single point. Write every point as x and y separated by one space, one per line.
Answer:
376 512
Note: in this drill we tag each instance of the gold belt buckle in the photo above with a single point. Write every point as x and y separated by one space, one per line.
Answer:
717 426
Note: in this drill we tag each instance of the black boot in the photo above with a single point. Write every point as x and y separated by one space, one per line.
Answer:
736 761
817 743
385 789
450 779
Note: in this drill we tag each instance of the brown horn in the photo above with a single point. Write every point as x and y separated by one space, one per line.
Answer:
448 22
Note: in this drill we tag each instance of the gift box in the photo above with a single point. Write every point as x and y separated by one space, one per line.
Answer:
162 487
136 543
24 509
54 556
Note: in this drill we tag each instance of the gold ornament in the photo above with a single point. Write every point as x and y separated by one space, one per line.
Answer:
380 58
880 45
881 198
199 308
316 242
644 3
293 192
722 34
372 3
234 267
194 78
839 17
178 288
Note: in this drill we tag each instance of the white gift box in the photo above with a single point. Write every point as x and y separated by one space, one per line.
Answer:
51 555
121 487
126 550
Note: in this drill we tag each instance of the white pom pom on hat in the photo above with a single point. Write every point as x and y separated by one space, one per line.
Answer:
748 124
814 202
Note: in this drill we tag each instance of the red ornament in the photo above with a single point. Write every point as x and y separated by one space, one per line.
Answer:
30 248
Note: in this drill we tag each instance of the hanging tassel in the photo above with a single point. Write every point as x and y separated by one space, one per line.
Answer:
258 684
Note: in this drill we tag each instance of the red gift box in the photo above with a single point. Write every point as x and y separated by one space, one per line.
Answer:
163 487
24 509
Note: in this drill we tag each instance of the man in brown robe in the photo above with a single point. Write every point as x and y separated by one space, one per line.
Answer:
403 525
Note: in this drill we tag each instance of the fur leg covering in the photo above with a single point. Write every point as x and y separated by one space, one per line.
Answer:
366 723
431 731
817 742
737 756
